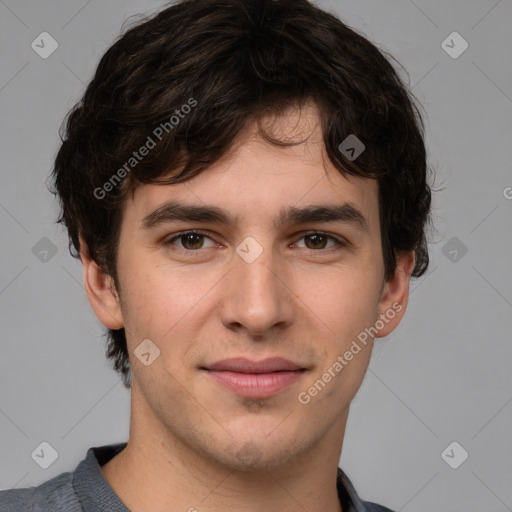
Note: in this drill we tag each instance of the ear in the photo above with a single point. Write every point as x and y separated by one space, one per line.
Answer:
395 294
101 291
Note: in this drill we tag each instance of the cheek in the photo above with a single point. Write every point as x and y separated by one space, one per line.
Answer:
345 302
168 306
159 297
348 305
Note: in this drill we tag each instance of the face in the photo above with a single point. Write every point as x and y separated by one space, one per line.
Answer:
274 279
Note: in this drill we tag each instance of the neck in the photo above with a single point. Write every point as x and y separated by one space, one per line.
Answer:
158 472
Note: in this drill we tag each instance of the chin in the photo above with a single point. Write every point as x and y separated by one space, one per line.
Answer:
253 453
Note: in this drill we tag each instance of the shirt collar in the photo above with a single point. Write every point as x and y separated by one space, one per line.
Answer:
350 500
91 487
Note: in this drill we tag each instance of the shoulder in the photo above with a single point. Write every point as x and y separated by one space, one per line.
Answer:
351 500
54 495
374 507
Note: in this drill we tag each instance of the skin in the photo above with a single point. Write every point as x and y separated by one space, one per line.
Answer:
194 444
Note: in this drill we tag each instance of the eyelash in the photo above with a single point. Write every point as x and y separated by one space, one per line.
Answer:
340 243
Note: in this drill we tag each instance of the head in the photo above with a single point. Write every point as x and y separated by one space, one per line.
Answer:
241 108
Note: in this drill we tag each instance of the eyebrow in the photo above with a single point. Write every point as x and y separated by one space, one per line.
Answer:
174 211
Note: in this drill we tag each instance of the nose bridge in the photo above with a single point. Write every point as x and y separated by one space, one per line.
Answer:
257 297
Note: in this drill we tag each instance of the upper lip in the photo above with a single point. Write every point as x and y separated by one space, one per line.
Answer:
242 365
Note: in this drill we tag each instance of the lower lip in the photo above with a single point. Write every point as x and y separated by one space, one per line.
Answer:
256 385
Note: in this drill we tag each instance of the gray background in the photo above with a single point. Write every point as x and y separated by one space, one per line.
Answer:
444 375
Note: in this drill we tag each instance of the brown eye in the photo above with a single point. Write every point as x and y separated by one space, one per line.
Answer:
195 241
319 241
189 241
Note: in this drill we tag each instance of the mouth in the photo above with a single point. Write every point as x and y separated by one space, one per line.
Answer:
255 379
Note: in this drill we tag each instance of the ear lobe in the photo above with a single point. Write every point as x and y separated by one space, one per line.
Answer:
395 294
101 291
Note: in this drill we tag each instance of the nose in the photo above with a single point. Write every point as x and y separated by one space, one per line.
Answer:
258 295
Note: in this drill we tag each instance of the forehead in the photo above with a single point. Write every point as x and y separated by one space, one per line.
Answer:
255 180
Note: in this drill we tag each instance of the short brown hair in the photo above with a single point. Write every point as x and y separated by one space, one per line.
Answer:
231 62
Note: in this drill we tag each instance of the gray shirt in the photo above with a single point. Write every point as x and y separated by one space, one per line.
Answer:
86 490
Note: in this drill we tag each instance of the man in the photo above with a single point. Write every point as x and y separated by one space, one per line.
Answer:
245 184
